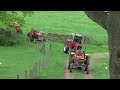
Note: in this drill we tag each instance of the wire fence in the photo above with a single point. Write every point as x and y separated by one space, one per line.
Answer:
35 70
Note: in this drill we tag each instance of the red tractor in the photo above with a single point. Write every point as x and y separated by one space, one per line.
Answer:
79 59
77 56
38 36
73 40
35 36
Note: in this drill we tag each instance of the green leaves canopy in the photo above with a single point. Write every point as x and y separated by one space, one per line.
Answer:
7 18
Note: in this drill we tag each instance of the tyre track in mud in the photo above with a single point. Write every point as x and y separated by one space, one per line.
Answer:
67 74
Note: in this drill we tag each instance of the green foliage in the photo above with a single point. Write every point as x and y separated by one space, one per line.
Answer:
8 18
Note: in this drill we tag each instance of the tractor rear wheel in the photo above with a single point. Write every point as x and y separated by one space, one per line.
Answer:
87 66
71 67
87 69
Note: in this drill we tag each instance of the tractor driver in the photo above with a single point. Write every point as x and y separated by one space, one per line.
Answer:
79 50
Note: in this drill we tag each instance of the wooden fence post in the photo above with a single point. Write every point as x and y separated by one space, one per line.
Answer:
50 49
25 74
35 70
39 65
18 77
43 62
30 74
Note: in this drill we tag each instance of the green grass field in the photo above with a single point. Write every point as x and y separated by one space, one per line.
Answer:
65 22
56 65
101 69
15 60
18 58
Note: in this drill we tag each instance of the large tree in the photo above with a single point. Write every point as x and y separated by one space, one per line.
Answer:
111 22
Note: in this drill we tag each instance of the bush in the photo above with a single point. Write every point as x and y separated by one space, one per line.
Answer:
10 38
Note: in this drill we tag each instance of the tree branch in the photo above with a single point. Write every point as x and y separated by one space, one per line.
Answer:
99 17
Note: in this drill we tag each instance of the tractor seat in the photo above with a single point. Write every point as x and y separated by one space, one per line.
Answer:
80 58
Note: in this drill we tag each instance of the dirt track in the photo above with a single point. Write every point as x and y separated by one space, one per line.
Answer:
93 57
67 74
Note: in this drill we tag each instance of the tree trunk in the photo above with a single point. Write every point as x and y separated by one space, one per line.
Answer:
113 26
112 23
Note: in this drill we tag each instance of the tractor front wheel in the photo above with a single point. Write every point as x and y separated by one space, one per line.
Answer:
66 49
70 61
